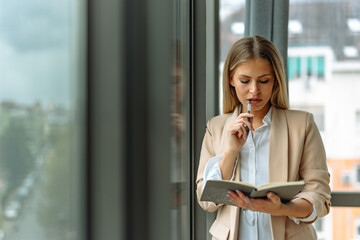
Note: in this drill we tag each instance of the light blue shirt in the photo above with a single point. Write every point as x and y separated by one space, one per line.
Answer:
254 162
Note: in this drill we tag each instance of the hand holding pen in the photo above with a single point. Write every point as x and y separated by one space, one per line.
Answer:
238 131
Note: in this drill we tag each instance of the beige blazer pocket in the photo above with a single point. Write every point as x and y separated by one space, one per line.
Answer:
219 231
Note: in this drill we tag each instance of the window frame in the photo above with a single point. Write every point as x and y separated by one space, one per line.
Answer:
128 120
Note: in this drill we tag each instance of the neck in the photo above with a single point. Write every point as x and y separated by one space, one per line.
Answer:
261 113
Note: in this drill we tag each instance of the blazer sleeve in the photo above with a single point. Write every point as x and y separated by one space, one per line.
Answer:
314 171
207 152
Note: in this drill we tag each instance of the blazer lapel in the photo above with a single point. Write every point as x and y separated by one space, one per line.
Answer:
234 222
278 152
234 211
278 162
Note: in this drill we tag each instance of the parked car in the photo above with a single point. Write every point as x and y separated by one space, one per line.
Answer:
12 210
2 235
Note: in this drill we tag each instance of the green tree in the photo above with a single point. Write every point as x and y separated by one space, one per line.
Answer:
54 214
16 158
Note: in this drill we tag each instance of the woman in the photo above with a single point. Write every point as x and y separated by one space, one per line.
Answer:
282 145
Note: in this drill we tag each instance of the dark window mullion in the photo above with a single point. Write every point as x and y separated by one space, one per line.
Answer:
345 199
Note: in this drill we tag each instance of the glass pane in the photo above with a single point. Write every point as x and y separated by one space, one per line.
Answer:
347 225
41 72
180 115
232 28
323 71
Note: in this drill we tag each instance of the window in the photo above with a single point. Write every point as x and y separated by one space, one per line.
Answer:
323 71
309 67
232 24
346 178
357 228
323 227
232 28
41 153
357 121
318 224
295 27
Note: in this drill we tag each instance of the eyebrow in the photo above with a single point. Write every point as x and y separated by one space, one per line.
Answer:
266 74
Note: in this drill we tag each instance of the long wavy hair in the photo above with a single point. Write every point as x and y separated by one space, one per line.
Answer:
248 48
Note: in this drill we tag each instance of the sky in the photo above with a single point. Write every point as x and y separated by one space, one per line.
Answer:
36 56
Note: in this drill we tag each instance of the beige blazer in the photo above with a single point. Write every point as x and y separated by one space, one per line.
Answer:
296 152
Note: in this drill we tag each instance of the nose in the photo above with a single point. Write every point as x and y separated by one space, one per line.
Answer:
254 87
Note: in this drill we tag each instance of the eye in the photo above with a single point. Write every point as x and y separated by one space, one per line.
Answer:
264 81
244 81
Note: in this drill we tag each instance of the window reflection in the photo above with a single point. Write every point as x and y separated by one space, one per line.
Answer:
40 127
180 110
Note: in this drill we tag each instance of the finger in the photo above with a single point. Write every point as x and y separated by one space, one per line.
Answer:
241 195
235 126
247 119
242 121
244 132
234 198
249 124
245 115
235 131
233 195
245 199
273 197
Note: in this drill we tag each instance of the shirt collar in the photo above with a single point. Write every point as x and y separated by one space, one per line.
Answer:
267 119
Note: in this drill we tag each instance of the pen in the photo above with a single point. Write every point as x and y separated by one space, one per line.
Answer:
248 110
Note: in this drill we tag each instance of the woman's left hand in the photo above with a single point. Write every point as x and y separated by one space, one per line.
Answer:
271 205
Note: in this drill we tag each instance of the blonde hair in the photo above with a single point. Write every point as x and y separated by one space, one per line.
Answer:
254 48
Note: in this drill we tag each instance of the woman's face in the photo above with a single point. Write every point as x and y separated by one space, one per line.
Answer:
254 80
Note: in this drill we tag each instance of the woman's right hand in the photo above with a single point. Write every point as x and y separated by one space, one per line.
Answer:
236 132
236 136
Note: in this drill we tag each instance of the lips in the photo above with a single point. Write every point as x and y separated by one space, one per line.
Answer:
255 100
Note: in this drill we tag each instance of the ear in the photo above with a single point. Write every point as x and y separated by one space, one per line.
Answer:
275 84
231 81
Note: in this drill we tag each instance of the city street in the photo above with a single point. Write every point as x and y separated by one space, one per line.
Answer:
27 225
